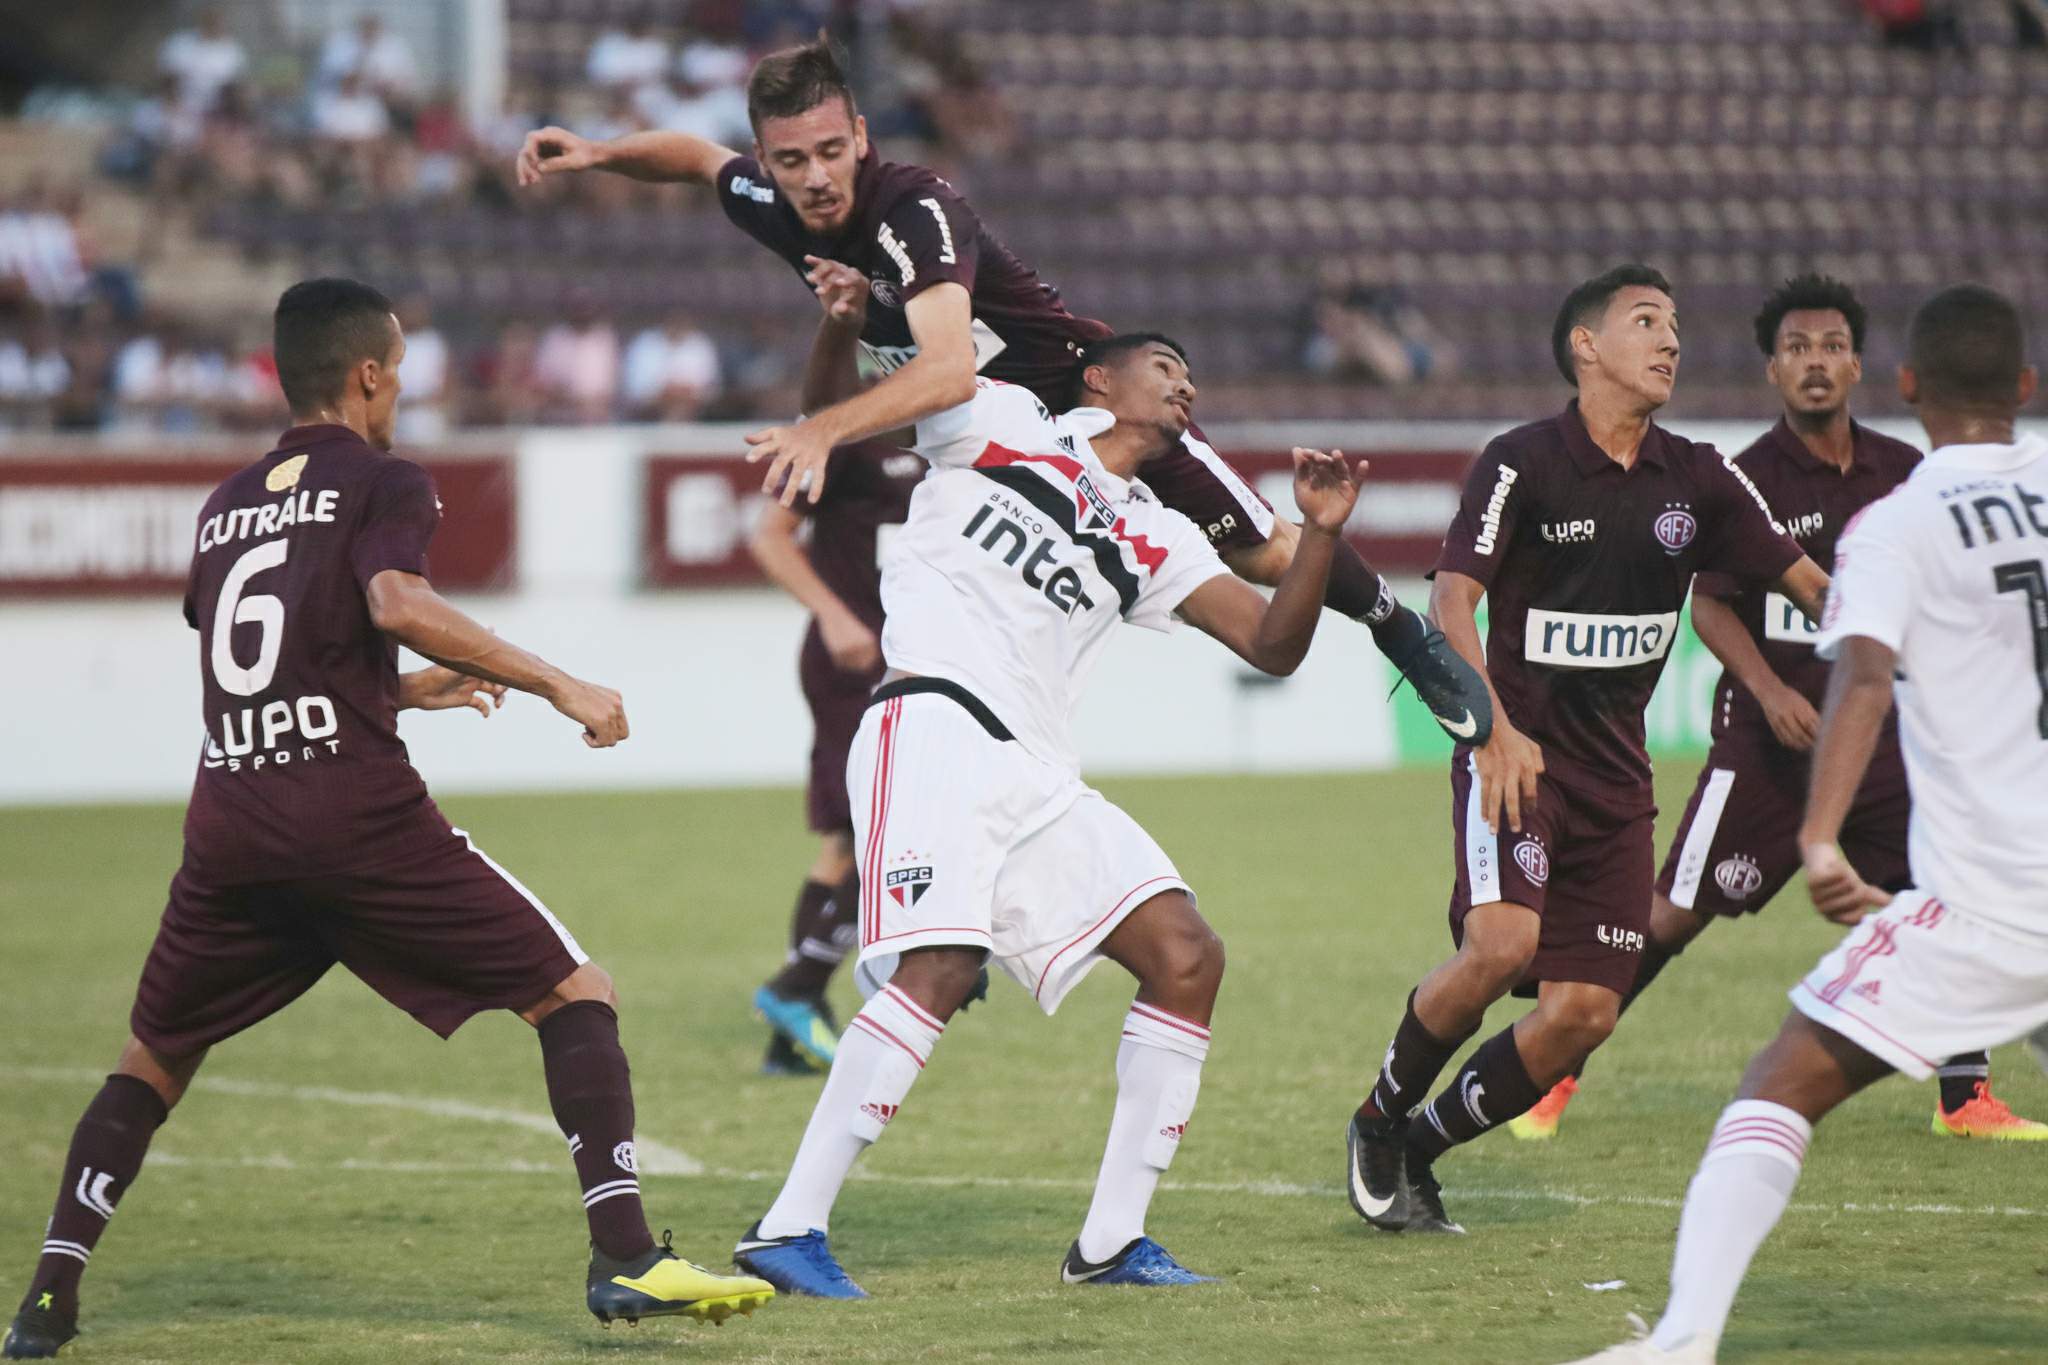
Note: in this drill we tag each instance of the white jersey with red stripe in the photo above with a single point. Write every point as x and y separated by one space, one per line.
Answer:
1950 571
1020 553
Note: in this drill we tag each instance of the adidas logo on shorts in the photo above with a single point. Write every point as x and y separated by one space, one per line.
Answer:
1868 990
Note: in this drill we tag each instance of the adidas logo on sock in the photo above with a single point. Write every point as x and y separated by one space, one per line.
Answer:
1173 1131
880 1113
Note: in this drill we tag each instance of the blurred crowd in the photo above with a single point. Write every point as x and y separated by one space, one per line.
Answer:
359 120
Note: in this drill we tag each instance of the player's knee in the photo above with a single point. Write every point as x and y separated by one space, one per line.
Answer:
938 979
1500 959
1581 1019
1192 959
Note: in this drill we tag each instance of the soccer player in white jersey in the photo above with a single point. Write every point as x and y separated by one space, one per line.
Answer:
1029 541
1943 583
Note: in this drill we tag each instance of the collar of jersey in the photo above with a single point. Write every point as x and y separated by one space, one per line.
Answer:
1089 422
1988 455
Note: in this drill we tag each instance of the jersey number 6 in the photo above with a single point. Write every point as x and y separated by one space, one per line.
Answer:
263 608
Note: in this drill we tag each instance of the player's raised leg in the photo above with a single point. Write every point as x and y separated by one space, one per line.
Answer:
884 1049
590 1089
1178 961
107 1148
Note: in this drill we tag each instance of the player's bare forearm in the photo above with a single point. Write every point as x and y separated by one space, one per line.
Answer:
1859 697
405 607
1266 562
662 158
1806 584
1289 621
1725 637
773 546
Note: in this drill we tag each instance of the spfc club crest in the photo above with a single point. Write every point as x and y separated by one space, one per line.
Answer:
907 885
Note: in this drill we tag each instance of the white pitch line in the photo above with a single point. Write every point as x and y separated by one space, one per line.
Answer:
1269 1189
655 1158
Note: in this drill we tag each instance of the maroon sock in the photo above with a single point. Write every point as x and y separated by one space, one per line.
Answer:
591 1091
1357 590
106 1154
1492 1087
820 933
1414 1060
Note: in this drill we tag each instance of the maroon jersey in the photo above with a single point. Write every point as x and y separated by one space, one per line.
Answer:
303 773
867 487
1814 502
909 231
1586 565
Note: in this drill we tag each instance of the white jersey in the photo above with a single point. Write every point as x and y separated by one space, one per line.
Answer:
1019 555
1951 571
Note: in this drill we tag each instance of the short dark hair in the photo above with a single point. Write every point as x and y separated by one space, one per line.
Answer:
1812 292
1588 301
792 80
322 328
1105 352
1967 348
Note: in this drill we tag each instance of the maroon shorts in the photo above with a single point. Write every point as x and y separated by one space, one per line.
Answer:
442 934
837 700
1738 843
1582 862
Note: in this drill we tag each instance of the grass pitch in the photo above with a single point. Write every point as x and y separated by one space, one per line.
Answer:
273 1224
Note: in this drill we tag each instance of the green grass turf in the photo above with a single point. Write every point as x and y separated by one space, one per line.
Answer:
1330 892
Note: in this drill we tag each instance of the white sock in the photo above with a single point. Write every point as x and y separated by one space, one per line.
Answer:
1736 1198
884 1048
1158 1075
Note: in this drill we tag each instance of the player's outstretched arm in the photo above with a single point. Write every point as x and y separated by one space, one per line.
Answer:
1859 696
435 688
832 373
853 647
1792 717
1274 637
1806 583
1509 762
939 376
655 156
406 607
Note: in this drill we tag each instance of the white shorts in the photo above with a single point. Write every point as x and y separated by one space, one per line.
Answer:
968 840
1919 982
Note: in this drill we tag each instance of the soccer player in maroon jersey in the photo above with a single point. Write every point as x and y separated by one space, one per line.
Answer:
310 839
948 301
1584 531
1736 846
838 578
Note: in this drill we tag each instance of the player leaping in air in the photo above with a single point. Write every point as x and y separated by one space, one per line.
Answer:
948 301
310 839
1944 583
1029 542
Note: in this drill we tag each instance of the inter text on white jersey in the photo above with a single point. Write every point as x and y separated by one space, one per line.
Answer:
1950 570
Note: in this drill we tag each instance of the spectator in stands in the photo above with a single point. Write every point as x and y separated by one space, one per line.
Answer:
424 375
1363 327
1925 25
577 368
202 60
628 57
33 371
41 262
379 58
671 372
506 383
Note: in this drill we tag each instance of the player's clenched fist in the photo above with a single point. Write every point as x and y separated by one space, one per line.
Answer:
1326 488
599 710
549 150
1838 890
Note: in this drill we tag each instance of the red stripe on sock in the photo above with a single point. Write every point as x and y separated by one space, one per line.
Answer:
867 1025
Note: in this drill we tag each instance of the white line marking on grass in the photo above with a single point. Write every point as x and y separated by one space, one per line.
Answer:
673 1162
655 1158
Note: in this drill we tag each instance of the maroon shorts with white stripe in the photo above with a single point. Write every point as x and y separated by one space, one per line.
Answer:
1738 842
1920 981
966 839
1581 863
442 934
